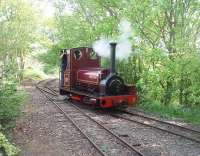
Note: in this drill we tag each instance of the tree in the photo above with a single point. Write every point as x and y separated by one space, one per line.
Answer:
18 25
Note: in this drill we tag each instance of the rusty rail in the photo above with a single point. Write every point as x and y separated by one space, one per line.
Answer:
156 127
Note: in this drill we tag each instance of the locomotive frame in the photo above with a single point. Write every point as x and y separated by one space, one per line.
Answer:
81 79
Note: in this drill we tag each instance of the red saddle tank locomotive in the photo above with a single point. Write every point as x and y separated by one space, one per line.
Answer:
82 79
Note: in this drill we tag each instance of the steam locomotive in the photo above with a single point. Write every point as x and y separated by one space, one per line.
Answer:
83 80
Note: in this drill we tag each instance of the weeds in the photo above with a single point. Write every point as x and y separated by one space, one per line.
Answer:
10 101
188 114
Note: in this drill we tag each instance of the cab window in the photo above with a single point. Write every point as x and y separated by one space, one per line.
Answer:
93 55
77 54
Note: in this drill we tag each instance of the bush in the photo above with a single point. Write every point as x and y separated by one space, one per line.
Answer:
7 147
10 102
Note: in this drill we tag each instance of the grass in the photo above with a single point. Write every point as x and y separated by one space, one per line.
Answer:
188 114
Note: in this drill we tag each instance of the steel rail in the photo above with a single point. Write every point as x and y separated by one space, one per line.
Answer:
148 125
152 126
161 121
53 91
122 140
44 86
50 92
139 115
108 130
69 118
42 83
51 80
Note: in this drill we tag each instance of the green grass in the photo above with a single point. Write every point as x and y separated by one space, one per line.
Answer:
191 115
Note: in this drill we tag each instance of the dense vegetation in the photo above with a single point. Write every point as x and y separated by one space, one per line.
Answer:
17 26
164 63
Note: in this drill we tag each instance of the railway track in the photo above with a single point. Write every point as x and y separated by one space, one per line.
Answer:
159 120
184 132
45 85
74 111
70 119
136 117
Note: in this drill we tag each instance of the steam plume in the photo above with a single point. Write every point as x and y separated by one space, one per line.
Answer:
123 49
102 47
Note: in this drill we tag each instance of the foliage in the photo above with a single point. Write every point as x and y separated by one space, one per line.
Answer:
10 101
189 114
9 149
33 74
18 25
50 60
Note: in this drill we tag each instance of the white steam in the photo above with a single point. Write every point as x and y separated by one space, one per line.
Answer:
102 47
123 49
124 46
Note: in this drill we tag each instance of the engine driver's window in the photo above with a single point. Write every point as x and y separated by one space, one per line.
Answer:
93 55
77 54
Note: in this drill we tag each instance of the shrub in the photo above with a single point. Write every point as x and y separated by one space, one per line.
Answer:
10 102
7 147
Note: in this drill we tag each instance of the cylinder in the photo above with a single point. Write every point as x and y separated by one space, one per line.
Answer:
112 57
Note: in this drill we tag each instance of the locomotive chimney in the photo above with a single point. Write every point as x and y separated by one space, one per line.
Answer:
112 57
